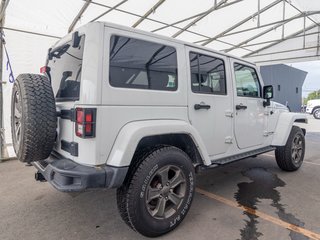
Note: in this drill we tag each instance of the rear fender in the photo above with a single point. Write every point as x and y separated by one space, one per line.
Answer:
130 135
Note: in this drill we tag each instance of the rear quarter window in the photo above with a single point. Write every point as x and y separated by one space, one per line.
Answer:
142 64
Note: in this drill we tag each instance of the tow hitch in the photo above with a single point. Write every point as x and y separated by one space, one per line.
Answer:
39 177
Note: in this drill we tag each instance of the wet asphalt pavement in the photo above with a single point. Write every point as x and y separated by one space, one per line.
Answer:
34 210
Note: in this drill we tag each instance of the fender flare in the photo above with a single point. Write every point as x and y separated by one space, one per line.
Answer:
284 125
130 135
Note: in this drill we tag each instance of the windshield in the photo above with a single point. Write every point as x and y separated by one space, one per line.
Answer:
64 70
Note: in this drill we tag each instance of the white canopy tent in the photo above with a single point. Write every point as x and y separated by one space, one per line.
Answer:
262 31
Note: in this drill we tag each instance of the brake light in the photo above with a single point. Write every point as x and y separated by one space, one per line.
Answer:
43 69
85 122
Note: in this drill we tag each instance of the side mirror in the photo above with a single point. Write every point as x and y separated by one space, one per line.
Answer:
76 39
267 94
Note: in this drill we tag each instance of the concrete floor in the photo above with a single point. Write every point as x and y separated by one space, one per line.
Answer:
33 210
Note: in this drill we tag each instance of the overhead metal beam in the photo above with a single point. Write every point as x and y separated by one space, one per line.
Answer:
279 41
272 41
313 57
287 51
254 28
241 22
283 16
194 16
3 7
290 3
29 32
151 10
79 15
109 10
160 22
299 15
214 8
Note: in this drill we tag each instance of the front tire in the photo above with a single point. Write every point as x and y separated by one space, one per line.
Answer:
158 192
316 113
290 157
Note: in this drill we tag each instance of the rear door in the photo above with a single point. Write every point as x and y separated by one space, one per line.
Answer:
250 120
64 67
210 99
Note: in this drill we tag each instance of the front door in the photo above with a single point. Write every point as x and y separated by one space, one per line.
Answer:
250 119
210 99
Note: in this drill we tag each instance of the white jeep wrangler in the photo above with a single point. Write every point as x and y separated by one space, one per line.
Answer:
116 107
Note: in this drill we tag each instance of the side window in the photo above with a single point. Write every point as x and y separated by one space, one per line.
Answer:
141 64
247 81
207 74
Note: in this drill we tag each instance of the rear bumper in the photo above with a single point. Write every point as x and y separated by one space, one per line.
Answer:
68 176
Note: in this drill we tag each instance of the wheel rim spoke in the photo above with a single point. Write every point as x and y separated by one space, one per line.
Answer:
153 193
164 174
177 179
175 199
160 208
17 117
297 149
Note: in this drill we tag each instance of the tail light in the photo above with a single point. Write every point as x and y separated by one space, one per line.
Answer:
86 122
43 69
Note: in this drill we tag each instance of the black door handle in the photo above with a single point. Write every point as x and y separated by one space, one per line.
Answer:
241 106
201 106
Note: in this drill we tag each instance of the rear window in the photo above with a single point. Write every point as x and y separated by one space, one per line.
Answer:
142 64
64 70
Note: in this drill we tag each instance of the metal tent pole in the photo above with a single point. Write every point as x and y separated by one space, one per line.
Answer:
3 147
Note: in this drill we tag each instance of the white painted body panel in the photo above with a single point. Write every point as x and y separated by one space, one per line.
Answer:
133 132
284 124
125 116
208 122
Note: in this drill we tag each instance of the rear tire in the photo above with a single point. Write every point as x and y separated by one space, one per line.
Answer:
290 157
158 192
33 117
316 113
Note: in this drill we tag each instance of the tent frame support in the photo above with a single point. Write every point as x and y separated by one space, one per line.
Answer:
280 41
3 147
160 22
194 16
109 10
241 23
147 14
217 6
272 41
79 15
299 15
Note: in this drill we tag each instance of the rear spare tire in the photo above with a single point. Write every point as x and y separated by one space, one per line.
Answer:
33 117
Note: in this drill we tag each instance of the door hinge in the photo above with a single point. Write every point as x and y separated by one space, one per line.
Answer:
229 114
228 140
266 133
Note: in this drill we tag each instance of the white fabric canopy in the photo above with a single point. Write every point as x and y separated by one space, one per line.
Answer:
263 31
